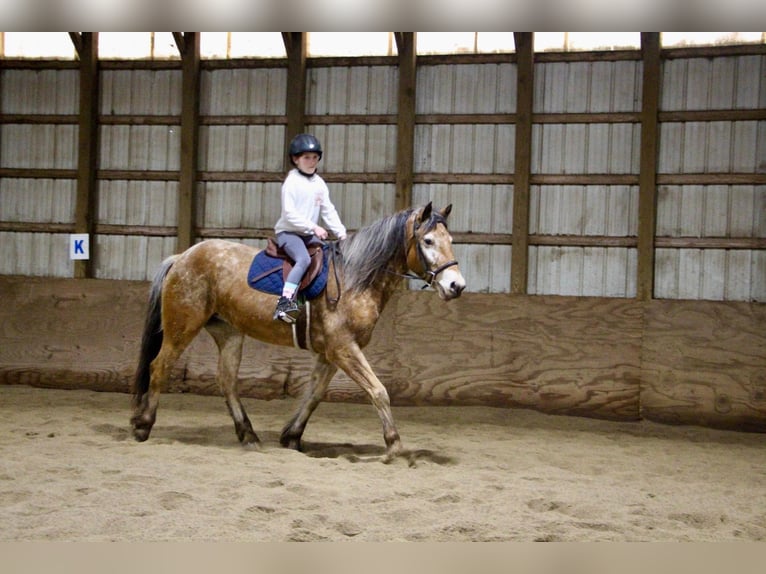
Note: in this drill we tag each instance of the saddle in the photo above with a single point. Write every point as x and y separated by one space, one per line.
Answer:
315 267
270 267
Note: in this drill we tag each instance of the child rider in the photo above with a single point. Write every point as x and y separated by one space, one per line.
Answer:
305 196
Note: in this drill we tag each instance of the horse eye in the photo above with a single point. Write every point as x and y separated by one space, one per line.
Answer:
428 241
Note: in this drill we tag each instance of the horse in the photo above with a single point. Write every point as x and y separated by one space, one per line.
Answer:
206 287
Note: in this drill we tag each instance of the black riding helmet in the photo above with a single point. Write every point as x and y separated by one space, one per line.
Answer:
303 143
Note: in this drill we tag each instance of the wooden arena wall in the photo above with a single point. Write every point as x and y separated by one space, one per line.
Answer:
681 362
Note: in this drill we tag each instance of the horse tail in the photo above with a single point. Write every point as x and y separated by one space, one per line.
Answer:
151 339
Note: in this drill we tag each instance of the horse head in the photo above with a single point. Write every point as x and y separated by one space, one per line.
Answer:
429 252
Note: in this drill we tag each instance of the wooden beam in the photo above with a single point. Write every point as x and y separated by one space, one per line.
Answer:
76 38
296 48
405 123
647 194
86 207
525 88
180 43
187 204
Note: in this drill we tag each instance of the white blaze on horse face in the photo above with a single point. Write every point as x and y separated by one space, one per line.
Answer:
437 250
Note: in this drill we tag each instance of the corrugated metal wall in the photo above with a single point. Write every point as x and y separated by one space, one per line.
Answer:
39 145
470 149
442 149
251 148
356 148
585 148
141 148
712 211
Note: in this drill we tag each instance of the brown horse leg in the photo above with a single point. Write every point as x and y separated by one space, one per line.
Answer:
175 339
355 365
320 378
229 342
146 412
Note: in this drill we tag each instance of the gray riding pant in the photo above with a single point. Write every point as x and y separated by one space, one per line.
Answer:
296 247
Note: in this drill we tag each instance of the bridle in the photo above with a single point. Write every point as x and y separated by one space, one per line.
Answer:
428 276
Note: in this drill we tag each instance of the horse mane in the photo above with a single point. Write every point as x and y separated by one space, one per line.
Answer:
367 252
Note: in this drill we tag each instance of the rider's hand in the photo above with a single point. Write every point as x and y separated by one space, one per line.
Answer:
320 232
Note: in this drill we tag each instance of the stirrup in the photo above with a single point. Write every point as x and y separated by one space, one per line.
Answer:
286 310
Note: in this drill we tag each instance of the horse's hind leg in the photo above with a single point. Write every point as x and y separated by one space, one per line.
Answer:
146 410
176 336
229 342
320 378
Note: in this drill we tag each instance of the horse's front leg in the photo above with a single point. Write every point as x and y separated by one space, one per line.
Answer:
354 363
320 378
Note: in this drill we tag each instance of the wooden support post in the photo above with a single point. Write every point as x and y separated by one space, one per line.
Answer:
405 124
295 46
187 196
86 206
525 88
647 193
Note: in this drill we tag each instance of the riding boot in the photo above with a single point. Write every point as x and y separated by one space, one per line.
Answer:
287 310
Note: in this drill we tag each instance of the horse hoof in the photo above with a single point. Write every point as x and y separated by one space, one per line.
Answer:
141 434
392 452
252 445
248 437
292 443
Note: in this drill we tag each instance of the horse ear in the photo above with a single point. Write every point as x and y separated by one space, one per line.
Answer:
446 211
425 213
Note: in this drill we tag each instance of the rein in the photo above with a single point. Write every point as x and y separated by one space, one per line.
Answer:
336 258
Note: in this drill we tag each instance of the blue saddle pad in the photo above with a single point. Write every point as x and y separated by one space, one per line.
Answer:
266 275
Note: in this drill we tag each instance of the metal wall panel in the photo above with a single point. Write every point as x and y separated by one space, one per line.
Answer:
39 91
466 89
38 254
130 256
38 146
587 271
592 87
714 274
597 210
470 149
37 200
709 147
244 91
481 148
732 82
241 148
727 211
140 148
356 148
355 90
236 204
140 203
610 210
141 92
360 204
720 83
586 148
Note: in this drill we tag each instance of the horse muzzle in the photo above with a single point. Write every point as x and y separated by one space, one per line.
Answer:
451 284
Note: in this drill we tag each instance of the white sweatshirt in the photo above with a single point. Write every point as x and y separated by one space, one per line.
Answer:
304 199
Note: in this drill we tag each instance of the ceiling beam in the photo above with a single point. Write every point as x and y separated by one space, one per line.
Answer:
76 38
